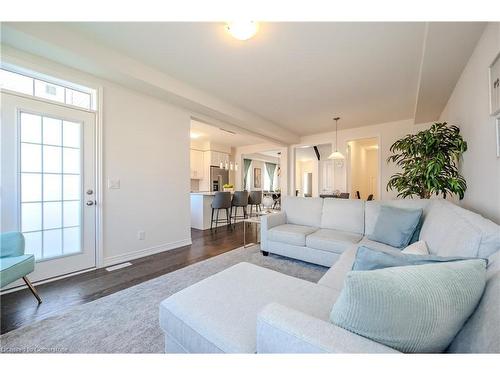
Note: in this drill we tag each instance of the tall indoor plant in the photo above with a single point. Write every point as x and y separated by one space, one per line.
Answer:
429 162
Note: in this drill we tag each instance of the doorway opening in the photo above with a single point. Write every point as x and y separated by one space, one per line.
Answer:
364 168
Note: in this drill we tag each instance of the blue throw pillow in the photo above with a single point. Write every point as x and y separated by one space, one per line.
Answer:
414 309
368 259
395 226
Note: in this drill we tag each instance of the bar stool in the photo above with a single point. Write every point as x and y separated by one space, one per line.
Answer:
240 199
221 201
255 199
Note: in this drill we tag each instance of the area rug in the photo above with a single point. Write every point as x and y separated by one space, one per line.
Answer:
127 321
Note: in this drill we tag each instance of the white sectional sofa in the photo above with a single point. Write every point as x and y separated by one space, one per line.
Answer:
318 230
250 309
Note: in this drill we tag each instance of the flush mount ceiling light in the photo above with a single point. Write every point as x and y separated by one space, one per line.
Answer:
336 154
242 30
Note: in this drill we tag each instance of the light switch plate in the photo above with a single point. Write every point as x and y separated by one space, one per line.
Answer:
113 183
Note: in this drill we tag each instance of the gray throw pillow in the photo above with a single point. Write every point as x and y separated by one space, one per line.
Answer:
395 226
369 259
413 309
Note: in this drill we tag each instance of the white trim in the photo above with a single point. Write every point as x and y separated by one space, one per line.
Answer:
45 281
145 252
26 96
99 181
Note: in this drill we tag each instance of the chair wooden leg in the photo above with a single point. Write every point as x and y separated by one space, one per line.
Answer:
32 288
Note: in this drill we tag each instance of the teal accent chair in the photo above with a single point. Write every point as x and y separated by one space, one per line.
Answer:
14 264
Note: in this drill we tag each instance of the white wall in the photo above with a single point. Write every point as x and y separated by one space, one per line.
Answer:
146 146
387 133
468 108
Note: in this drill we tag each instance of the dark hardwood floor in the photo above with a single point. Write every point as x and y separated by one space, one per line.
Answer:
21 308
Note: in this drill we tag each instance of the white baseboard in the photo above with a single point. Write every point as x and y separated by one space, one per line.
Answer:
109 261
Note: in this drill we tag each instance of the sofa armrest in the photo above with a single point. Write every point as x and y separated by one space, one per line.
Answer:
267 222
284 330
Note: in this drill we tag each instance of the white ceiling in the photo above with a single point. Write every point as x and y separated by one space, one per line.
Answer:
215 134
299 75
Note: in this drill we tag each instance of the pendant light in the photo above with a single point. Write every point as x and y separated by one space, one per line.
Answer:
336 154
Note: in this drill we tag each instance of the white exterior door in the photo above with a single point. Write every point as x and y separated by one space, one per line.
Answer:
48 183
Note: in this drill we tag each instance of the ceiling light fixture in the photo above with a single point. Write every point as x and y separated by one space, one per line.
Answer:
242 30
336 154
194 135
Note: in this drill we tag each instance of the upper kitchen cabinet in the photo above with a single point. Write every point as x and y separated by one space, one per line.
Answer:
197 168
216 158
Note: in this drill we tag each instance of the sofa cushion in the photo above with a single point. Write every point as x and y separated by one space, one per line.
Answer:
219 313
372 209
290 234
306 254
336 241
303 211
481 333
448 234
395 226
343 214
490 232
413 309
335 276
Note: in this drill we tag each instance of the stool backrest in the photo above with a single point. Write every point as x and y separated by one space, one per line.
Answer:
255 197
222 199
240 198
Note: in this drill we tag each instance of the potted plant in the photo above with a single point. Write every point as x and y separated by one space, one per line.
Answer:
228 187
429 162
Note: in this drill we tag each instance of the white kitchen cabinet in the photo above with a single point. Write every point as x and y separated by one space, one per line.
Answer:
196 163
495 86
216 158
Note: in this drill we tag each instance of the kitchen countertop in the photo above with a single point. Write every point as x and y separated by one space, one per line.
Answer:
208 193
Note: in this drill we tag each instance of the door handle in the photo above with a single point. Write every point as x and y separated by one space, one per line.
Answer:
89 203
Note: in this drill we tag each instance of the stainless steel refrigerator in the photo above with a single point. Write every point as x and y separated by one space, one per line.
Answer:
218 177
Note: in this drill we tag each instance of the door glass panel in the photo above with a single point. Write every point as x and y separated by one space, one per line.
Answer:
52 215
71 134
71 213
71 186
33 244
32 183
31 214
50 167
31 128
72 240
52 131
52 243
71 157
52 187
52 159
31 160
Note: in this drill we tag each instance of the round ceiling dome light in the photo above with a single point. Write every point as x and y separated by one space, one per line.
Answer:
242 30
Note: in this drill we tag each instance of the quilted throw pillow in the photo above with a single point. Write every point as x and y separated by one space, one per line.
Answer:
413 309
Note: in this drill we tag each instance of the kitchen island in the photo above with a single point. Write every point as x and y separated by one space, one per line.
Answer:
201 210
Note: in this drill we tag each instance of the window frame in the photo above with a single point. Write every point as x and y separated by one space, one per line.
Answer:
65 85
